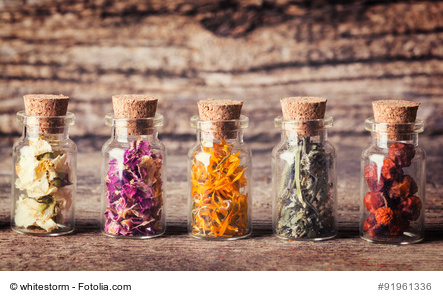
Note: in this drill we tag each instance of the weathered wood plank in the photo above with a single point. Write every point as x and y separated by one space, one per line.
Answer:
88 249
257 51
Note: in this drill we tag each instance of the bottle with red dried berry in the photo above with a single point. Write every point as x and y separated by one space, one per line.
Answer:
393 175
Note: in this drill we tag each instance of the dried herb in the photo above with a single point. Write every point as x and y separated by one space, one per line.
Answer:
305 196
134 193
219 203
391 199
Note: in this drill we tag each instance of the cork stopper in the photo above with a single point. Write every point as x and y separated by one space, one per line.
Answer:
304 111
46 105
222 110
396 117
138 108
134 106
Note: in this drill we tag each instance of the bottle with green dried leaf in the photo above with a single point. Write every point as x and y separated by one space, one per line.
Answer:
303 172
44 168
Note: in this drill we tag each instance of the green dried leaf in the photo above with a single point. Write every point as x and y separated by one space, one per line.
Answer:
47 199
42 208
47 155
223 161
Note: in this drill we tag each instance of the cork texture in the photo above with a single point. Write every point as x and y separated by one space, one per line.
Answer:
134 106
303 110
396 116
137 107
395 111
221 111
46 105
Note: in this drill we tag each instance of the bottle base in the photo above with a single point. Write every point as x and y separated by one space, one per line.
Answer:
405 239
219 238
132 237
41 232
305 239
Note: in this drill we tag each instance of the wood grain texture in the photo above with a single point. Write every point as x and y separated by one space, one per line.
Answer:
88 249
351 52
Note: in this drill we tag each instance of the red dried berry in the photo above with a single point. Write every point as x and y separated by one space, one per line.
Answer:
404 188
384 215
373 201
399 224
369 222
374 180
371 226
410 208
401 153
390 171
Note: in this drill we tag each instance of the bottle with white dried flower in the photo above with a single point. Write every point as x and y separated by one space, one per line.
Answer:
44 168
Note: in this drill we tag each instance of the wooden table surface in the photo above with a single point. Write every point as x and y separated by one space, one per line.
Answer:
87 249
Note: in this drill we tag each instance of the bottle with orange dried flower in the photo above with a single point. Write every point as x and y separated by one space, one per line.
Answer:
219 173
393 175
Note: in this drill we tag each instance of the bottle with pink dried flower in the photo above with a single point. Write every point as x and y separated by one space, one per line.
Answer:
133 170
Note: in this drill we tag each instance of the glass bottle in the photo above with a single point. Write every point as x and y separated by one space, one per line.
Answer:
304 181
133 178
219 180
393 184
44 176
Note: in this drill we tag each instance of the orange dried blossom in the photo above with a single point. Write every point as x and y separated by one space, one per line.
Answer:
219 205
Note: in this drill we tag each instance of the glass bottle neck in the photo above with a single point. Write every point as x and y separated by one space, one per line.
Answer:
36 132
207 138
293 136
383 140
123 133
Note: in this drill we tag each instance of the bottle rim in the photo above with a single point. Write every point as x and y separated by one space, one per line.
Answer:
197 123
150 122
324 123
406 128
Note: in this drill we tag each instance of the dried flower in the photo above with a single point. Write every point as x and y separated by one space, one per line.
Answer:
219 205
134 192
42 176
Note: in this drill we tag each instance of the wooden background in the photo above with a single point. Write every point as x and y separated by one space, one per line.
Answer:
351 52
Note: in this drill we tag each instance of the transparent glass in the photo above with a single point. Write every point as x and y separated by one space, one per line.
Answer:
304 181
44 176
219 181
393 178
133 179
